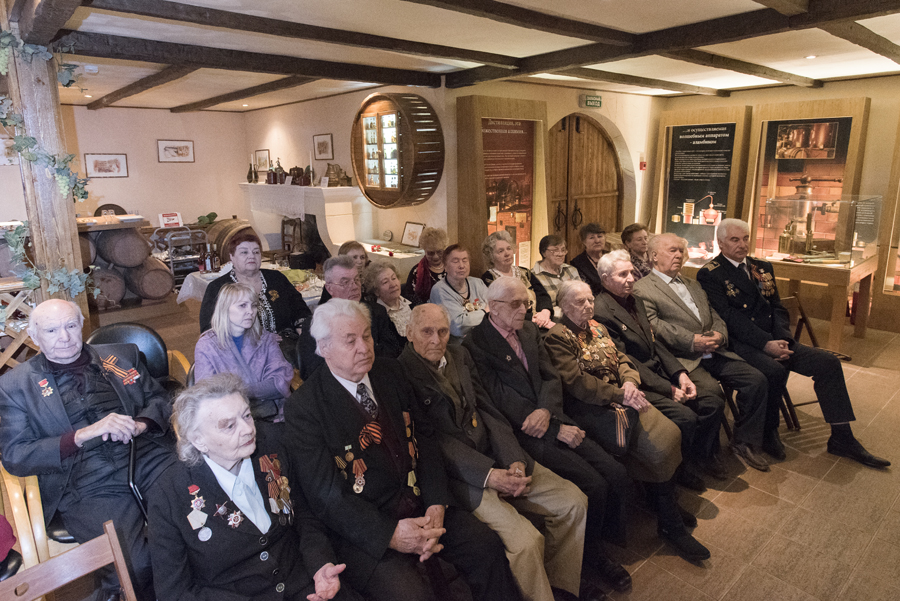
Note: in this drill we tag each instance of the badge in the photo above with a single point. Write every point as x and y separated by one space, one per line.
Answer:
348 457
469 306
197 519
221 510
46 390
624 327
508 358
205 534
340 462
359 484
411 482
278 487
235 518
359 469
474 421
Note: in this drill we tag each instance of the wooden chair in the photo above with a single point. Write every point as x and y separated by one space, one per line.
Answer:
45 578
17 514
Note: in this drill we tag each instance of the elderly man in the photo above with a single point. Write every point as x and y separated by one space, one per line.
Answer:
490 474
380 490
521 381
685 323
68 415
742 290
697 411
342 280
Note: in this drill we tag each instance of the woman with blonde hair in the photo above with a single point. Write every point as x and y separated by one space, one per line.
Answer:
430 270
499 255
236 343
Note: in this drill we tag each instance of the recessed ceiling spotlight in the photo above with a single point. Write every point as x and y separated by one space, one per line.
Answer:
811 56
88 96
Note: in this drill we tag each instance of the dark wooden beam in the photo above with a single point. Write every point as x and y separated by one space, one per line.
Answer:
644 82
122 48
786 7
532 19
40 20
281 84
861 36
698 57
186 13
15 9
142 85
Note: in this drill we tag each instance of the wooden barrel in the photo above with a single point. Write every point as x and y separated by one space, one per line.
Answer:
152 279
111 285
221 232
126 248
88 250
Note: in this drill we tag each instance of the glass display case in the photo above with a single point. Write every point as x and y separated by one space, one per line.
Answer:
817 230
380 150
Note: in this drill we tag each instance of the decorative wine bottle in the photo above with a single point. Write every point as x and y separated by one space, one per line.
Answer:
250 174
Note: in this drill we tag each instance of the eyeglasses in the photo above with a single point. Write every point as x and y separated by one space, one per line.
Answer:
515 305
347 283
557 251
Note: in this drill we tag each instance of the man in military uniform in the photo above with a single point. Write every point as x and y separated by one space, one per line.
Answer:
742 290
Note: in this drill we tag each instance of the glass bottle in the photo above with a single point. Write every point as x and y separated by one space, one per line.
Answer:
208 259
250 174
216 261
201 259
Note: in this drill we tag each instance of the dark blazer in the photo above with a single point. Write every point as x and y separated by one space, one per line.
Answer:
288 306
31 424
474 437
659 369
588 272
752 310
230 565
518 392
322 420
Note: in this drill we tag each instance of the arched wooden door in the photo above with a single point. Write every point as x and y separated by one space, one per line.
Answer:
585 179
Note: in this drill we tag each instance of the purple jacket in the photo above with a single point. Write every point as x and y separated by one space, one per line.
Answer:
264 370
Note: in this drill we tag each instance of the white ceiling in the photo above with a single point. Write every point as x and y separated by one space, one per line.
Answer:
835 58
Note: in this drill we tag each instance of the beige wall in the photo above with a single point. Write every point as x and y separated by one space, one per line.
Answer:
12 199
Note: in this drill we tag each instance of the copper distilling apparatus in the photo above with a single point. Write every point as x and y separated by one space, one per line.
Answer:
805 188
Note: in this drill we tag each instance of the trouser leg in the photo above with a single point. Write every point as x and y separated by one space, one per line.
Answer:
682 416
828 381
395 577
752 396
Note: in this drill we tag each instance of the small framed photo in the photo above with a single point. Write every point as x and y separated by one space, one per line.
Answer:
411 233
106 165
175 151
324 145
262 160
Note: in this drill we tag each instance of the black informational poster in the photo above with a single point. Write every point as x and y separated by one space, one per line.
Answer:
699 173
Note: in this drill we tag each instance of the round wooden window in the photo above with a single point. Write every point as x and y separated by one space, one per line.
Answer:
397 146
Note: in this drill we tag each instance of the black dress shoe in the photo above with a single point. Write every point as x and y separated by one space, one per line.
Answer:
774 447
689 519
852 449
716 468
750 457
689 479
590 592
613 574
686 545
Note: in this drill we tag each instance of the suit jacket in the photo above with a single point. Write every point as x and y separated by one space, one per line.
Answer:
675 324
657 366
33 419
588 272
323 420
229 566
752 310
516 391
473 437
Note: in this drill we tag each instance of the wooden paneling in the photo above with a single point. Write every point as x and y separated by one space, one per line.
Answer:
558 176
886 304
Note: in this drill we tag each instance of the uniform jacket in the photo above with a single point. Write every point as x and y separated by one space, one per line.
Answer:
33 419
516 391
235 564
675 324
474 437
657 366
588 272
752 310
323 419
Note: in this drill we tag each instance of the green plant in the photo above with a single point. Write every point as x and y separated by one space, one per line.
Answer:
72 282
207 219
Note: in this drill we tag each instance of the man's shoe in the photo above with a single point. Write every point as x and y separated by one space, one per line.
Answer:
689 519
774 447
853 449
688 479
750 457
686 545
613 574
716 468
590 592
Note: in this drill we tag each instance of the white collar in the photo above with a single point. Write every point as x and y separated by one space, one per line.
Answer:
403 302
352 386
736 263
227 480
665 278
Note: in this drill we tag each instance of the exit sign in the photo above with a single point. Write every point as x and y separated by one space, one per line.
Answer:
589 102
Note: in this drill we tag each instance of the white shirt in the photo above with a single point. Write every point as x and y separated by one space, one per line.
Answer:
352 386
684 294
243 492
736 263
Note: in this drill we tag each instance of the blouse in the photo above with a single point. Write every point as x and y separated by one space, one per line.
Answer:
400 316
467 311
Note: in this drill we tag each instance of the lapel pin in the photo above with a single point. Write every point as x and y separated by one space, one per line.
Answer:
508 358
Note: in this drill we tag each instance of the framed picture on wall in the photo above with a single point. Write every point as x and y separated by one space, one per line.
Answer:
175 151
262 160
411 233
106 165
324 146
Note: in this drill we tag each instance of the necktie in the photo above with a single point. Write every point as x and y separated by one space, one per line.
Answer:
513 341
745 271
366 401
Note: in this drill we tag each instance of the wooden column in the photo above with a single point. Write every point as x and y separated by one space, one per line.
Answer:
32 87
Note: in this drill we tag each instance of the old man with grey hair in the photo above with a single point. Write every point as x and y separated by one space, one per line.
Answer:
380 488
69 415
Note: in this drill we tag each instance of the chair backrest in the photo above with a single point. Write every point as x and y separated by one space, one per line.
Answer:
190 376
46 577
147 340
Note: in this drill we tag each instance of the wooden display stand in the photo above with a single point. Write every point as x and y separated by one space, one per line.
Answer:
13 295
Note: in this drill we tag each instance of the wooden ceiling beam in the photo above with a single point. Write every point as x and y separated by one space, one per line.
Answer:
532 19
786 7
643 82
716 61
281 84
861 36
142 85
198 15
123 48
40 20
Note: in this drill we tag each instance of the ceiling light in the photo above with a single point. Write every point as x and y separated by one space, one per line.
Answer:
811 56
88 96
91 69
245 105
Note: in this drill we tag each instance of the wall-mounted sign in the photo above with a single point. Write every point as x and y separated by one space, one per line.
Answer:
587 101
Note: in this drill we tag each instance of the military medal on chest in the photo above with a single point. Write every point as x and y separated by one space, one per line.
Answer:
46 389
233 519
279 489
197 518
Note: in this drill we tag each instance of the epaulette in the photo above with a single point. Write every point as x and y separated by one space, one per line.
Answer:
711 265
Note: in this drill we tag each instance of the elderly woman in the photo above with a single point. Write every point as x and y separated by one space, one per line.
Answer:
499 255
237 344
599 382
464 297
226 524
552 270
636 240
281 307
382 282
593 237
430 270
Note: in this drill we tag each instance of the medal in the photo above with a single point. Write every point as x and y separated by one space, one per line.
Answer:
46 390
474 421
205 534
128 377
359 469
282 519
349 456
359 484
278 488
235 519
197 519
411 482
469 306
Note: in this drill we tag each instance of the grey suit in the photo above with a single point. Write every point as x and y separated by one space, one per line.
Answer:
676 324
